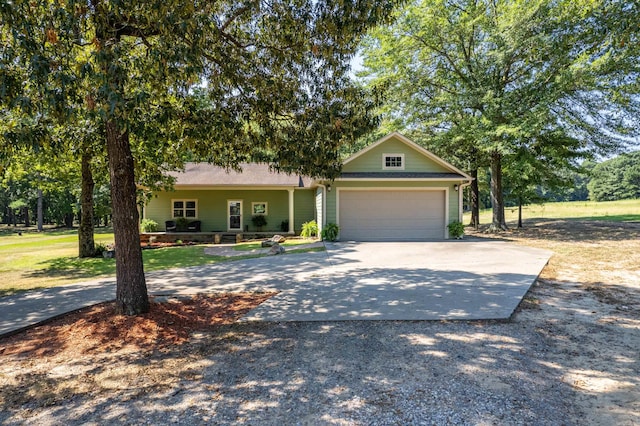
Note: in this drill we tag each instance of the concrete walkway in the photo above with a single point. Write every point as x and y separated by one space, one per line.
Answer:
363 281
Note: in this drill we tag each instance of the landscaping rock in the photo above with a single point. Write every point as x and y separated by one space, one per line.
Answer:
278 239
276 249
268 243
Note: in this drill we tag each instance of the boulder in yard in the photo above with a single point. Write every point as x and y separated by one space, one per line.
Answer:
278 239
276 249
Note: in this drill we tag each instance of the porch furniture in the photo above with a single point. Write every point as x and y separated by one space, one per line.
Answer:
194 226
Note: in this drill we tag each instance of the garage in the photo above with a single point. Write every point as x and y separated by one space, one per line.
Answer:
391 215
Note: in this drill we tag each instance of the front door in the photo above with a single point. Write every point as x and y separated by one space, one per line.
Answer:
235 215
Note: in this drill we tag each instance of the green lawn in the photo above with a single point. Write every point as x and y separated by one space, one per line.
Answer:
34 260
38 260
617 211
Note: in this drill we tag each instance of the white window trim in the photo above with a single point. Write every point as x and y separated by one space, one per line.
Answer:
384 161
184 200
256 203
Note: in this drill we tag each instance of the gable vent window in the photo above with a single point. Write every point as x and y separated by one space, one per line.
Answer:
393 161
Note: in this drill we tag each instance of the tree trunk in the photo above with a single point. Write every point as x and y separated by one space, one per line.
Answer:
85 232
475 200
498 222
27 221
519 212
131 288
39 212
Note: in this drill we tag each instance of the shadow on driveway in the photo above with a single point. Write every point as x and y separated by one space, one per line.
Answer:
410 281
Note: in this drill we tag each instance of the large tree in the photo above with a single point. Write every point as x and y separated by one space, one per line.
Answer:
276 74
616 179
487 77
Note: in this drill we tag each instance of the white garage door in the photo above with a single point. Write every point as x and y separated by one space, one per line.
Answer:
391 215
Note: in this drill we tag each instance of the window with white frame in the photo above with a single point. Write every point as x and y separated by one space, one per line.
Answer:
260 208
393 161
185 208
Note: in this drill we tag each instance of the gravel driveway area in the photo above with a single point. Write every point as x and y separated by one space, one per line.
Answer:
540 368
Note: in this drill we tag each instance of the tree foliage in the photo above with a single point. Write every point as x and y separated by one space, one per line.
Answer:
490 80
616 179
274 77
29 173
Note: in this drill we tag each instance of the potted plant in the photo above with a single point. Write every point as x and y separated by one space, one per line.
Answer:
309 229
330 232
148 225
181 224
456 230
259 221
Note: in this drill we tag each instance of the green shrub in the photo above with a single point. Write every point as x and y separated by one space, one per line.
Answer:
456 229
259 221
181 224
309 229
284 226
330 232
148 225
99 248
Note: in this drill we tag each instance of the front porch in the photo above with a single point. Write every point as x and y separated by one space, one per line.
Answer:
214 237
231 211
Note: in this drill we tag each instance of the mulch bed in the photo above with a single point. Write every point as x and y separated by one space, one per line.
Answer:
97 329
149 246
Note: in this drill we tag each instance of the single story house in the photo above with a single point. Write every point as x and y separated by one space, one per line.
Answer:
393 190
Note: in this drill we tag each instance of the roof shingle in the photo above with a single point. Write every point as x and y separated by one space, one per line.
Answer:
252 174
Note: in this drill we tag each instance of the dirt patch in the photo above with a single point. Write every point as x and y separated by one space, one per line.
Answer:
586 252
588 300
97 350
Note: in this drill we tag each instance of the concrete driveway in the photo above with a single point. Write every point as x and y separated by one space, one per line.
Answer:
350 281
408 281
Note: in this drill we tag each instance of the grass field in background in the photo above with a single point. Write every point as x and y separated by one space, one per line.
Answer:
617 211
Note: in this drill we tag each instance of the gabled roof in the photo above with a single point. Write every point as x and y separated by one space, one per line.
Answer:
252 174
400 137
203 175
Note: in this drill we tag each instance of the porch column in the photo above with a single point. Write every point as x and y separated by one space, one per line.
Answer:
291 211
